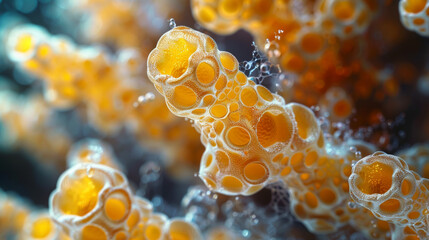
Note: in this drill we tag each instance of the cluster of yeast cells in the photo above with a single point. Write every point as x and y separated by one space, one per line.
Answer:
252 137
93 201
243 125
383 184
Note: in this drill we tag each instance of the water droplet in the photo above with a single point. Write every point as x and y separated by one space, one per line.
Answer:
358 155
149 96
351 205
245 233
172 23
254 220
265 69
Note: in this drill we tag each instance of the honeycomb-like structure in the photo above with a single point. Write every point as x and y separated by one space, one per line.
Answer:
415 15
233 114
252 136
93 201
383 184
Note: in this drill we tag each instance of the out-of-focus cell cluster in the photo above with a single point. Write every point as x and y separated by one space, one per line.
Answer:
96 80
94 201
104 21
423 83
342 18
252 136
415 15
417 158
337 104
18 218
314 40
13 214
109 88
383 184
27 122
92 151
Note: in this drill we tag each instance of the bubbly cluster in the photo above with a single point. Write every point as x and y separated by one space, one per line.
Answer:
26 121
110 89
252 137
93 201
383 184
415 15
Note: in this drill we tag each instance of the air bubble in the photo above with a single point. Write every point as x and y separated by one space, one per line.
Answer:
272 49
149 96
254 220
352 205
358 155
265 69
172 23
245 233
